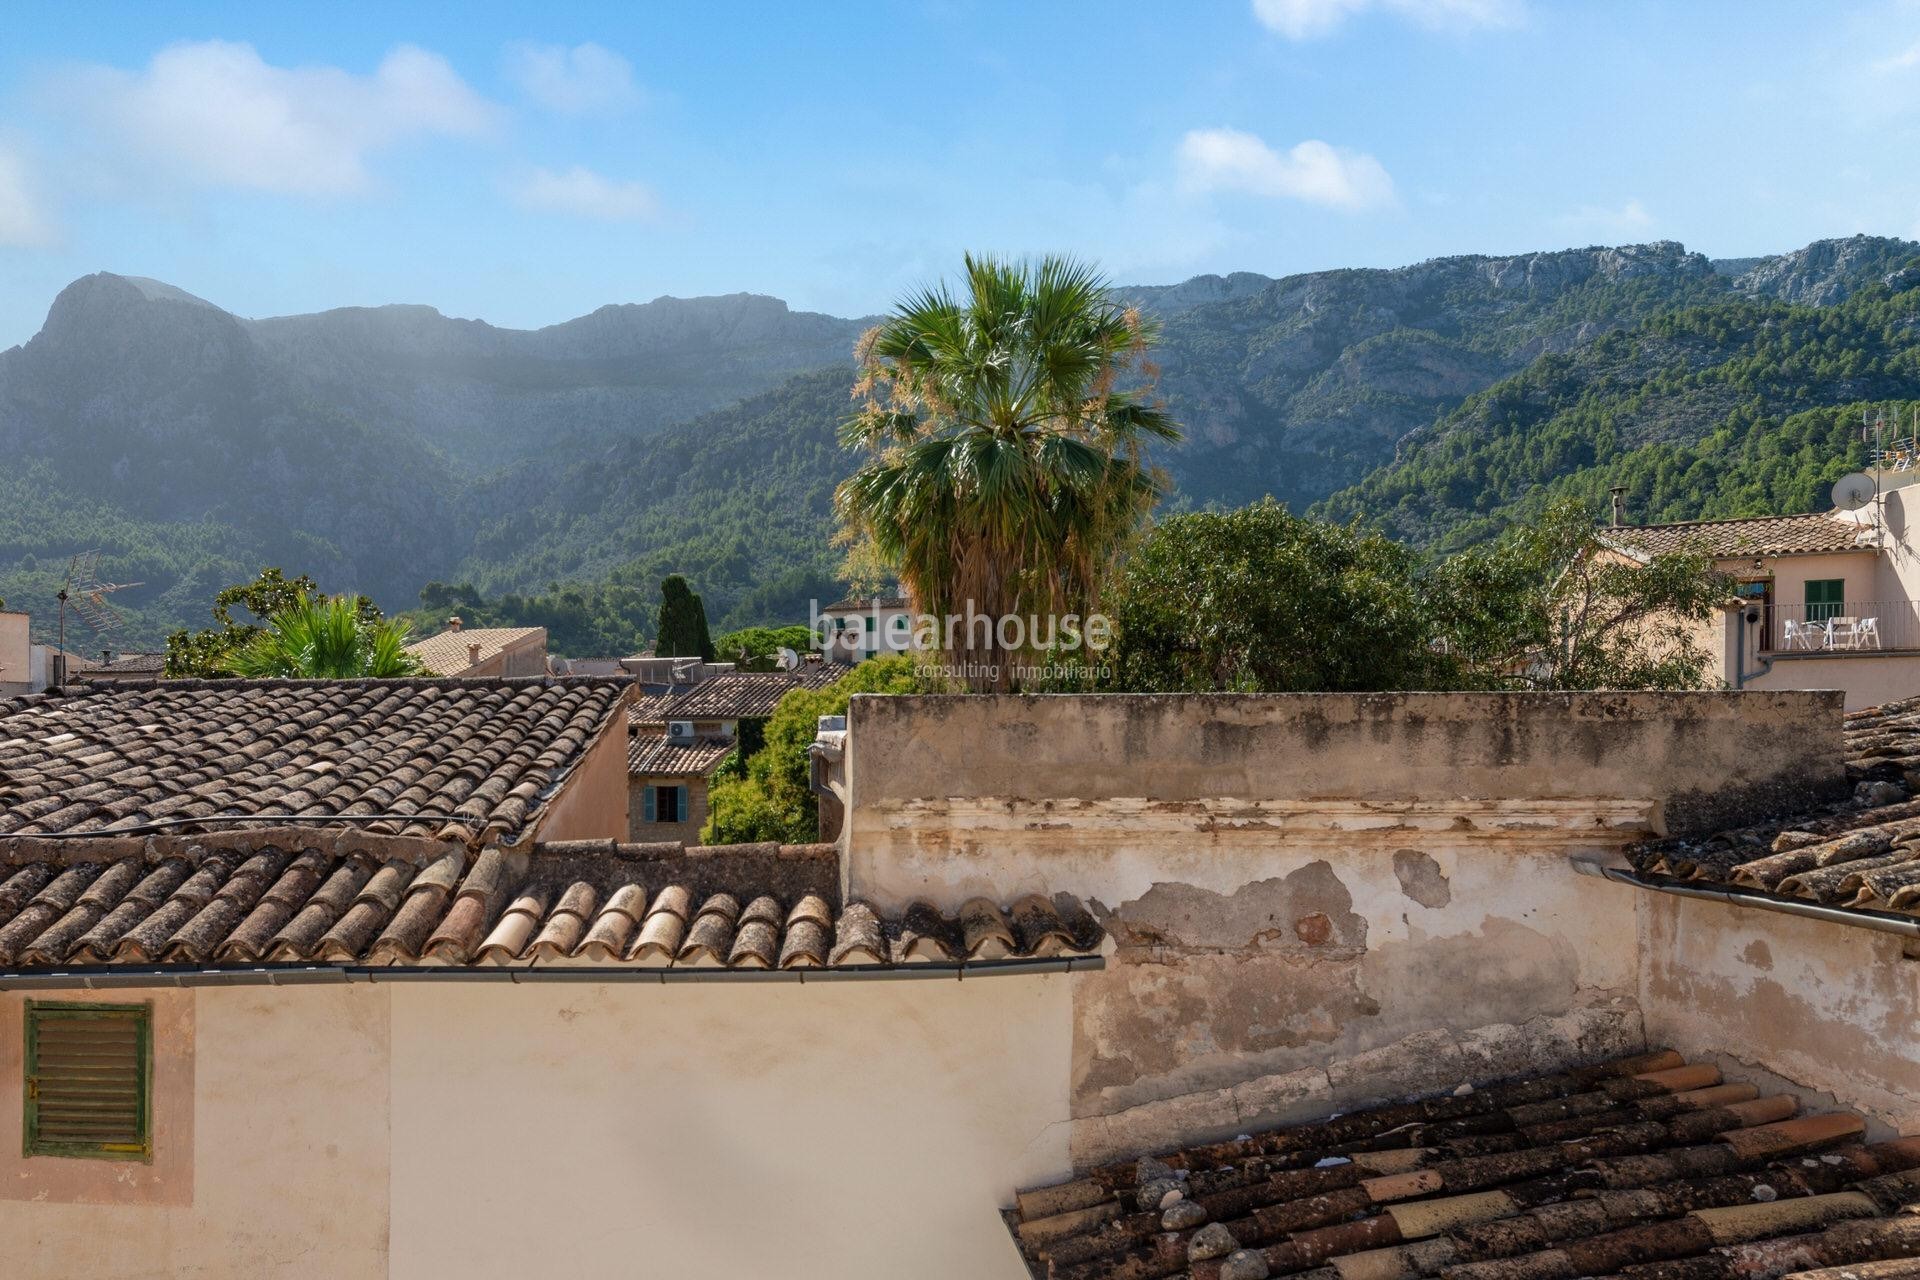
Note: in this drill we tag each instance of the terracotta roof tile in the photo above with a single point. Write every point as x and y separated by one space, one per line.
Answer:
652 755
650 708
1754 536
747 695
295 897
470 760
1859 855
1592 1171
449 652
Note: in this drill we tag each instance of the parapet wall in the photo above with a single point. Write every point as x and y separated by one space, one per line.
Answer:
1088 793
1316 900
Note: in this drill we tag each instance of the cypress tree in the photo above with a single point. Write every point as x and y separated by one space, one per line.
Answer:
683 622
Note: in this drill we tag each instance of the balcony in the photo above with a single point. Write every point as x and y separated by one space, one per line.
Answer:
1856 627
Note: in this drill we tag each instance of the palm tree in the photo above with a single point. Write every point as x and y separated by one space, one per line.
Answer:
327 638
1006 468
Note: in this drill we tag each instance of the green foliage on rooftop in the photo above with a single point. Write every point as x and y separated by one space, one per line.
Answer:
772 801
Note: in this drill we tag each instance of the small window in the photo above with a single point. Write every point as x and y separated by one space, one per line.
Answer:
89 1078
1826 598
666 804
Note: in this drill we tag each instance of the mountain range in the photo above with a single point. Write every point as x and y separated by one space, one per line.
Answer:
381 448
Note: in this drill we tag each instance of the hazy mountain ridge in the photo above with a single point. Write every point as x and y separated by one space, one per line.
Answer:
381 447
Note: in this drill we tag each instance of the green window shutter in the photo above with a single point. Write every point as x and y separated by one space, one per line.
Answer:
1826 598
89 1080
680 804
648 805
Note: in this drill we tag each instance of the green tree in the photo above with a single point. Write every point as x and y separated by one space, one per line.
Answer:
208 652
683 622
773 801
758 648
1005 466
1553 605
1259 600
326 638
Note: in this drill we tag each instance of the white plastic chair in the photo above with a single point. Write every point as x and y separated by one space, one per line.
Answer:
1843 633
1803 635
1867 629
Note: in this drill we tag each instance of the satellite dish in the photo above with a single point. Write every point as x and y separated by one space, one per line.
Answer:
1852 492
788 660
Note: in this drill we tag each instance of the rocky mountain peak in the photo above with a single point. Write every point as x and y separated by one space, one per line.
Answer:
1828 271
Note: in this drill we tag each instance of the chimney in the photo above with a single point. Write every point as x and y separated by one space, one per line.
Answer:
453 623
473 655
1619 503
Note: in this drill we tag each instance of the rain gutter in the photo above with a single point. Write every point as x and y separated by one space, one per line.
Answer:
107 977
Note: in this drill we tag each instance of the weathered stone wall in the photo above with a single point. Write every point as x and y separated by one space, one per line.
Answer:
1316 901
1832 1011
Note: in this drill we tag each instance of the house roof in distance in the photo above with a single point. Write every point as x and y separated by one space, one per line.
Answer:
131 665
655 755
1634 1168
1862 855
1754 536
243 900
746 695
856 604
473 760
448 653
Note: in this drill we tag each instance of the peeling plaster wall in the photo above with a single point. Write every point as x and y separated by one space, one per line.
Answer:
1832 1011
1315 901
1342 978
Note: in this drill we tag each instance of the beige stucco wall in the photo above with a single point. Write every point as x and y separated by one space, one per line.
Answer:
592 804
1866 679
814 1132
1830 1008
16 652
270 1148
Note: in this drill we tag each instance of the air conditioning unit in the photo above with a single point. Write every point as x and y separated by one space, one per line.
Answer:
679 731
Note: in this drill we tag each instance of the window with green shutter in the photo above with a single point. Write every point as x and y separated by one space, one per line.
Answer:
1826 598
89 1080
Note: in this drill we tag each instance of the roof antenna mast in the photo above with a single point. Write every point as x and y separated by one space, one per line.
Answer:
84 590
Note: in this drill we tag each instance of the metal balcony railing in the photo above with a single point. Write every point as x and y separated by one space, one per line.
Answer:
1853 627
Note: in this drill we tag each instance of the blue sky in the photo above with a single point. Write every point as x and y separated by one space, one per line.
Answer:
525 165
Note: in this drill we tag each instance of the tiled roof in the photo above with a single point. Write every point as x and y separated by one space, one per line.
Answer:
446 654
651 708
1642 1167
748 694
1756 536
475 760
131 664
852 604
289 897
1861 855
653 756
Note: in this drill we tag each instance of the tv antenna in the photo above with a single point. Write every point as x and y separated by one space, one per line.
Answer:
87 593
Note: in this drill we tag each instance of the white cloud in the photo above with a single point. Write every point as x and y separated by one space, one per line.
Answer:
586 194
1313 171
216 112
1304 19
22 224
1903 61
1630 218
584 80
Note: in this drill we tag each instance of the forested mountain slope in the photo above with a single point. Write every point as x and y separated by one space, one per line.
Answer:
1736 408
381 448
